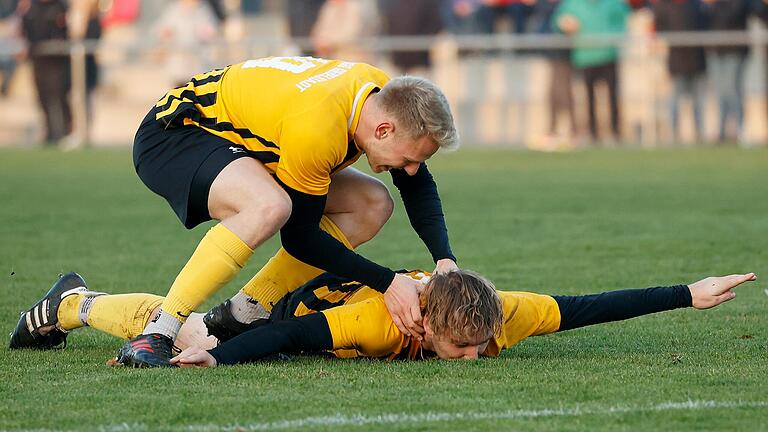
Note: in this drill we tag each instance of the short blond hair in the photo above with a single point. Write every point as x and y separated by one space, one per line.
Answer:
421 108
463 306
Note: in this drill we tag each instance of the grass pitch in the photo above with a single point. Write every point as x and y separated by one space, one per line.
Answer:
552 223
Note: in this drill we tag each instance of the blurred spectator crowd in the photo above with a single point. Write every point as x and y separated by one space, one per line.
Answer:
583 79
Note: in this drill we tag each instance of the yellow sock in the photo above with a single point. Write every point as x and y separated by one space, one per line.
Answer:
122 315
68 313
283 273
217 259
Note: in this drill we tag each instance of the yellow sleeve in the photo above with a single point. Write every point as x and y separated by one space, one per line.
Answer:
313 143
525 314
365 327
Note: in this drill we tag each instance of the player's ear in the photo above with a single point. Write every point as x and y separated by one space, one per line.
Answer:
384 130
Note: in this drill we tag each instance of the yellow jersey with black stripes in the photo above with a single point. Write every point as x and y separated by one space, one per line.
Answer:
361 325
297 115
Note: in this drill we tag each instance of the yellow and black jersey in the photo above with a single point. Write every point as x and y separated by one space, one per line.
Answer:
353 320
359 320
297 115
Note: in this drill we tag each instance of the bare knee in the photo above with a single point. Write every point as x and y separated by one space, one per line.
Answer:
269 210
255 215
375 210
275 210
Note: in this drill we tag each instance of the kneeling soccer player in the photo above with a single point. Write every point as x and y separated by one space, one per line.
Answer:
464 318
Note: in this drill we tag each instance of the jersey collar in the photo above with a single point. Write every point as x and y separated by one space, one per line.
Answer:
357 105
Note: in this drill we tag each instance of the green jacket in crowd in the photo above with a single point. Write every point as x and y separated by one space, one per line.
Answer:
596 17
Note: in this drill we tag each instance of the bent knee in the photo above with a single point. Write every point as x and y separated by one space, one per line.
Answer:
378 206
272 209
267 206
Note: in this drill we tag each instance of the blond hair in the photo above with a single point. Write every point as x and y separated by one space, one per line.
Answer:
463 306
421 108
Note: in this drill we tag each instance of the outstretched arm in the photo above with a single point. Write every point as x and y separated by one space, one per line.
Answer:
580 311
309 333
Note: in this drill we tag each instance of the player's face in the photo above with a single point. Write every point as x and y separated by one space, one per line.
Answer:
392 151
447 349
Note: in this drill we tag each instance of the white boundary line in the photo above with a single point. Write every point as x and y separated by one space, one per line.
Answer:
432 417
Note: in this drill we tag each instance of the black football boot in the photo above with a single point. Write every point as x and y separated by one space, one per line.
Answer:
146 350
37 328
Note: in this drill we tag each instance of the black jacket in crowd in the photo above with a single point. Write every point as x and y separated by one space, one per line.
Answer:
681 15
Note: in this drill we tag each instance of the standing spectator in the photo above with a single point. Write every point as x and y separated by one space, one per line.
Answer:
185 27
491 11
514 97
726 63
121 12
217 9
340 26
597 63
460 16
760 8
561 78
251 7
302 15
46 21
686 64
8 32
408 18
85 24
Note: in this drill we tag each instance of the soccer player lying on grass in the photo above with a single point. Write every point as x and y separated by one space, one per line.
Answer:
464 317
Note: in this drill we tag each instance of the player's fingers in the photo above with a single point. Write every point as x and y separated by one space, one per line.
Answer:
726 296
399 324
749 277
188 365
408 322
739 279
181 356
181 359
420 288
416 328
197 358
416 314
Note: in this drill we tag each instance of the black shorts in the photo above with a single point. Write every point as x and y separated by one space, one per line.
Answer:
180 164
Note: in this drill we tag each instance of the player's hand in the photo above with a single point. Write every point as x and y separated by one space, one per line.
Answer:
710 292
402 300
445 265
194 357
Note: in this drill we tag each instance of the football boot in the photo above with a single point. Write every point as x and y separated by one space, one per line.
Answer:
37 327
222 325
146 350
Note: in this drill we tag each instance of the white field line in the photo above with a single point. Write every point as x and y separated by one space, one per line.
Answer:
430 417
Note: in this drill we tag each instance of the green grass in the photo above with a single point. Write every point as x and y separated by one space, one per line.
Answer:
552 223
